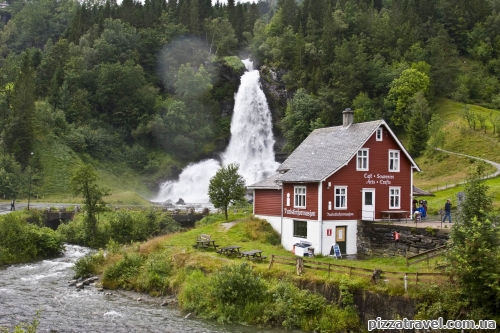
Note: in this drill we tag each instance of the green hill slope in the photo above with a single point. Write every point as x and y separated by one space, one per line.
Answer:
441 170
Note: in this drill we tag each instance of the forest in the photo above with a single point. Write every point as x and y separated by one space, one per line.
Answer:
140 83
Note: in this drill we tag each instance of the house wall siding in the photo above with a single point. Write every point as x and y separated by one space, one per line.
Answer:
267 202
310 212
373 178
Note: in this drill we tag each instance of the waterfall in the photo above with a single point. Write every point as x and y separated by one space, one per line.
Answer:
251 146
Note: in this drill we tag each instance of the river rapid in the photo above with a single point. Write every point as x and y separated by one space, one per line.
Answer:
43 286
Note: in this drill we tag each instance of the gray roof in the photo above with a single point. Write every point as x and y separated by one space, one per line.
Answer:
418 192
326 150
268 183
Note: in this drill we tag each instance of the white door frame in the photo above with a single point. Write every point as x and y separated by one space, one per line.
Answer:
368 210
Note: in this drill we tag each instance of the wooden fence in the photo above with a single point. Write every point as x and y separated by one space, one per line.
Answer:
426 255
373 275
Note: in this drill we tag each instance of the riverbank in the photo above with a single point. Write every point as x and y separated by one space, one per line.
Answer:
201 279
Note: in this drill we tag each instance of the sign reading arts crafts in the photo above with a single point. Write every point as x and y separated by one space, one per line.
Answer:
297 212
372 179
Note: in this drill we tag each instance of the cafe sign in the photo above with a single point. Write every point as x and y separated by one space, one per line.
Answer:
377 178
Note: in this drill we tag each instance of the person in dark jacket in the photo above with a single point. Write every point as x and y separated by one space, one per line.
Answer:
447 210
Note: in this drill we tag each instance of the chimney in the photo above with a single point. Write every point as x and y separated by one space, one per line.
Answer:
348 117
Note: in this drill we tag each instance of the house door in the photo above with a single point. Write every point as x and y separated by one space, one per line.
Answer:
368 205
340 239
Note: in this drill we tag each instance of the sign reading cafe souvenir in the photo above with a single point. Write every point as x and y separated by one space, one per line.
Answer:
372 178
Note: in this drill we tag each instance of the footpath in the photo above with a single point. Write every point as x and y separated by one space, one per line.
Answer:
496 165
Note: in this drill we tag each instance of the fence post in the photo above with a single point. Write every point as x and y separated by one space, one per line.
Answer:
271 261
299 265
329 268
416 278
406 283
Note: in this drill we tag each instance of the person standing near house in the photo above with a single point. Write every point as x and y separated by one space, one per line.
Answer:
396 236
447 210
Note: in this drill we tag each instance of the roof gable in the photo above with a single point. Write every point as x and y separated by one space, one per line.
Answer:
326 150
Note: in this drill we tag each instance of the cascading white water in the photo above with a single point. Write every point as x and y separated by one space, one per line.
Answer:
251 146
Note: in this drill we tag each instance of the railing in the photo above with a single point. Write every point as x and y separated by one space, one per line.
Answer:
426 255
374 275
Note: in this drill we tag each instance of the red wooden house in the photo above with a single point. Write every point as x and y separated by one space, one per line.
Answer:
335 178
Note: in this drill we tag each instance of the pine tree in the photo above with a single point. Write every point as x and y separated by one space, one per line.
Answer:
19 136
417 134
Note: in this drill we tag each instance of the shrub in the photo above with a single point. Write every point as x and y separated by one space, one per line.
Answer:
154 276
87 265
287 305
21 241
195 294
123 273
237 285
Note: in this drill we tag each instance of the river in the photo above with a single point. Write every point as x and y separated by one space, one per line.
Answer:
43 286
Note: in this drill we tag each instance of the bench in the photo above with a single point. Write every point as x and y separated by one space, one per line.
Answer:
257 258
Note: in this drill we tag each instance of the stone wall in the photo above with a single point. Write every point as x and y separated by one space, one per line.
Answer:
377 238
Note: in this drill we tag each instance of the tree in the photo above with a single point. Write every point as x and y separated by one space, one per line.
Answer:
221 35
19 136
474 253
83 182
300 113
403 88
226 187
418 134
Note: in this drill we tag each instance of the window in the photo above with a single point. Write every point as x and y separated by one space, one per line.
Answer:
340 197
299 200
394 197
394 160
300 229
362 161
379 134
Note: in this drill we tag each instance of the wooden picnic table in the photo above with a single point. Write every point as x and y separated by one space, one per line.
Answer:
204 241
205 244
253 255
230 250
388 214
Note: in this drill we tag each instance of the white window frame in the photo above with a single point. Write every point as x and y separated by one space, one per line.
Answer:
299 195
378 134
394 197
396 159
362 155
342 196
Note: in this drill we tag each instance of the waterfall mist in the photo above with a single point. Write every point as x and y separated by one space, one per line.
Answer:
251 146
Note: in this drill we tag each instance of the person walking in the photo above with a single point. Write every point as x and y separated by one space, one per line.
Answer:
12 207
447 210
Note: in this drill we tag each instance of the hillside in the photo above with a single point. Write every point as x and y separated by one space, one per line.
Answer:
140 90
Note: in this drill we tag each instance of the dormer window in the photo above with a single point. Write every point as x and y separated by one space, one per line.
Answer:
362 160
379 134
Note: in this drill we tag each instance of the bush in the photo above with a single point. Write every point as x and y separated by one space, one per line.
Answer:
87 265
154 276
21 241
237 285
123 273
288 305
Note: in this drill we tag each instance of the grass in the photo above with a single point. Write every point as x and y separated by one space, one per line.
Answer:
250 233
440 171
